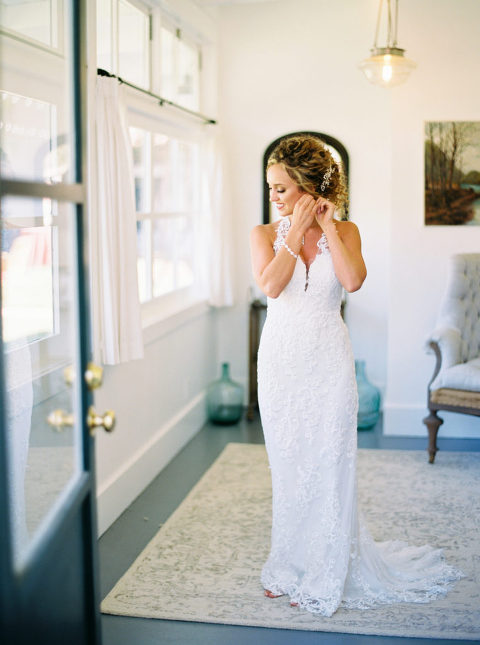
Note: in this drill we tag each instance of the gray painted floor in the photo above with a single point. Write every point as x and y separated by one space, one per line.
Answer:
126 538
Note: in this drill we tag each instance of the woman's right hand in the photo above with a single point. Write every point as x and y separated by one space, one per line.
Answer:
304 213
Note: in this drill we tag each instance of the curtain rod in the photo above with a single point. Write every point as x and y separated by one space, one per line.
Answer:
160 99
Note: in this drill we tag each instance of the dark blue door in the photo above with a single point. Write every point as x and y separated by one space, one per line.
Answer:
47 491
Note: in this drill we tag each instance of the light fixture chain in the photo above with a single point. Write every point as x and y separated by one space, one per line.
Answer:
389 32
396 25
375 45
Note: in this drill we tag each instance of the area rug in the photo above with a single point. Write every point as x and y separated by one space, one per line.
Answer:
204 564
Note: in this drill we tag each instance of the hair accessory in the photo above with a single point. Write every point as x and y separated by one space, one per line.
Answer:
295 255
326 178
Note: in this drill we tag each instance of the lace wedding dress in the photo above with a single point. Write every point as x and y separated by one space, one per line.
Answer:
322 555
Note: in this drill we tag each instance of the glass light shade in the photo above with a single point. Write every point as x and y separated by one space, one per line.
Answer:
387 70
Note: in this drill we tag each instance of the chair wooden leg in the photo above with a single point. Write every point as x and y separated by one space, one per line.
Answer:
433 422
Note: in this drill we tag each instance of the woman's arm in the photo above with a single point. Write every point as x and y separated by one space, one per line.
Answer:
345 247
273 272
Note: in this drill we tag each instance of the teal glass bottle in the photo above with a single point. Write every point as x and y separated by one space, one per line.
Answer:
225 399
368 399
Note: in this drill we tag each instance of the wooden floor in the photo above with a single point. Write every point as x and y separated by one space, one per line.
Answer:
127 537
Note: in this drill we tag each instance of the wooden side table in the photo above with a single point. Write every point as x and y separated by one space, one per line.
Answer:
256 320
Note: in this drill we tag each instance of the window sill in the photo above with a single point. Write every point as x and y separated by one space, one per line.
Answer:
162 318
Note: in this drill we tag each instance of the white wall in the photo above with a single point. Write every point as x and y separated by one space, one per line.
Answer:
160 404
443 88
292 65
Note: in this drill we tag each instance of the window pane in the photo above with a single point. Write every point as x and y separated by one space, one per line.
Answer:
37 19
184 268
187 76
144 260
167 64
140 149
104 35
174 172
162 173
172 254
133 44
184 155
164 255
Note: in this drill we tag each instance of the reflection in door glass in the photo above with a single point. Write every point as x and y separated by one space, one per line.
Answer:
37 19
40 337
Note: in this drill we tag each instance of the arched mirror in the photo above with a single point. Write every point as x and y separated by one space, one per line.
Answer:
338 151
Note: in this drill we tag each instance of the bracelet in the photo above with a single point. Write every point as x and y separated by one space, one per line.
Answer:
295 255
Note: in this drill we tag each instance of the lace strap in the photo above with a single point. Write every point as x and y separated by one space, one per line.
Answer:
282 231
323 244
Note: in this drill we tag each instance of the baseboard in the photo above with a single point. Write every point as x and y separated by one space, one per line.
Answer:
407 421
126 484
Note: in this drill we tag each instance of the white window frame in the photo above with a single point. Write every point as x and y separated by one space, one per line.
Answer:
143 112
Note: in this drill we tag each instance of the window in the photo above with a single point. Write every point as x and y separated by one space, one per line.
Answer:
180 69
166 197
149 50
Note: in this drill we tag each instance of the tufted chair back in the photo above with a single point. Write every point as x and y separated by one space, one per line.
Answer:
460 307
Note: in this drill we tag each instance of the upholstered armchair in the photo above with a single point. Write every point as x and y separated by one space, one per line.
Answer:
455 384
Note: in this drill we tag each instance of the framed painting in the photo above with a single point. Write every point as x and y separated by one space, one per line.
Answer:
452 173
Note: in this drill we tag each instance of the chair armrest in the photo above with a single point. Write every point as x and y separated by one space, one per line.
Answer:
449 342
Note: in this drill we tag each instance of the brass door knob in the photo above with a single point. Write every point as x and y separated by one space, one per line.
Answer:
59 419
105 421
93 375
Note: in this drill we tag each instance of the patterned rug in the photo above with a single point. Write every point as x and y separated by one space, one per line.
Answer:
204 564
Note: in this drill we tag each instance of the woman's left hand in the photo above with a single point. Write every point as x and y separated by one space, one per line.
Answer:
324 212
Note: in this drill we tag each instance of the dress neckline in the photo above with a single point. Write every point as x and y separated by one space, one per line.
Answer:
283 229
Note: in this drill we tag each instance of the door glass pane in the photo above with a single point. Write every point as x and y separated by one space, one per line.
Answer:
37 19
28 277
133 44
36 106
40 337
38 293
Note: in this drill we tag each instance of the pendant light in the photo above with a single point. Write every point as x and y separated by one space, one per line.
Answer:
387 66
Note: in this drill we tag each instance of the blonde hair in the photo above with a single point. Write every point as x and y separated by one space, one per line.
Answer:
310 164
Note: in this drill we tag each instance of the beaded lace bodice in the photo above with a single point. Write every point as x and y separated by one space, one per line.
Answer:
322 555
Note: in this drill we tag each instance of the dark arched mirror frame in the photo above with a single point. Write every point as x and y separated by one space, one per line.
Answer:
326 138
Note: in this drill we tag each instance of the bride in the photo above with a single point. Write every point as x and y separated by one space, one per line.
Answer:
322 555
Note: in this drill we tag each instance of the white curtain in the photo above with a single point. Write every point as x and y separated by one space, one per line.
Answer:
216 224
117 328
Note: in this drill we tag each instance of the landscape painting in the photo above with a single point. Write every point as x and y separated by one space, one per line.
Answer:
452 173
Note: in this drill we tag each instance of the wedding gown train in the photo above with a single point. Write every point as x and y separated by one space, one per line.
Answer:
322 554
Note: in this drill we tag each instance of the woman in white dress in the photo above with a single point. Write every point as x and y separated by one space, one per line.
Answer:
322 556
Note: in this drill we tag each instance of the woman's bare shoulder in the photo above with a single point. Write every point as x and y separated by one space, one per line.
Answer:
265 231
346 227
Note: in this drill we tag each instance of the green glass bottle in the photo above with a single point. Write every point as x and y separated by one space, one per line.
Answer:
368 399
224 399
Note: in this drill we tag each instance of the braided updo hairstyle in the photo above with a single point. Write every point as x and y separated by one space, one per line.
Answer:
307 160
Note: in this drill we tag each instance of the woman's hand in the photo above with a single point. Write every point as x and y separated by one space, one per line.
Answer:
304 213
325 211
